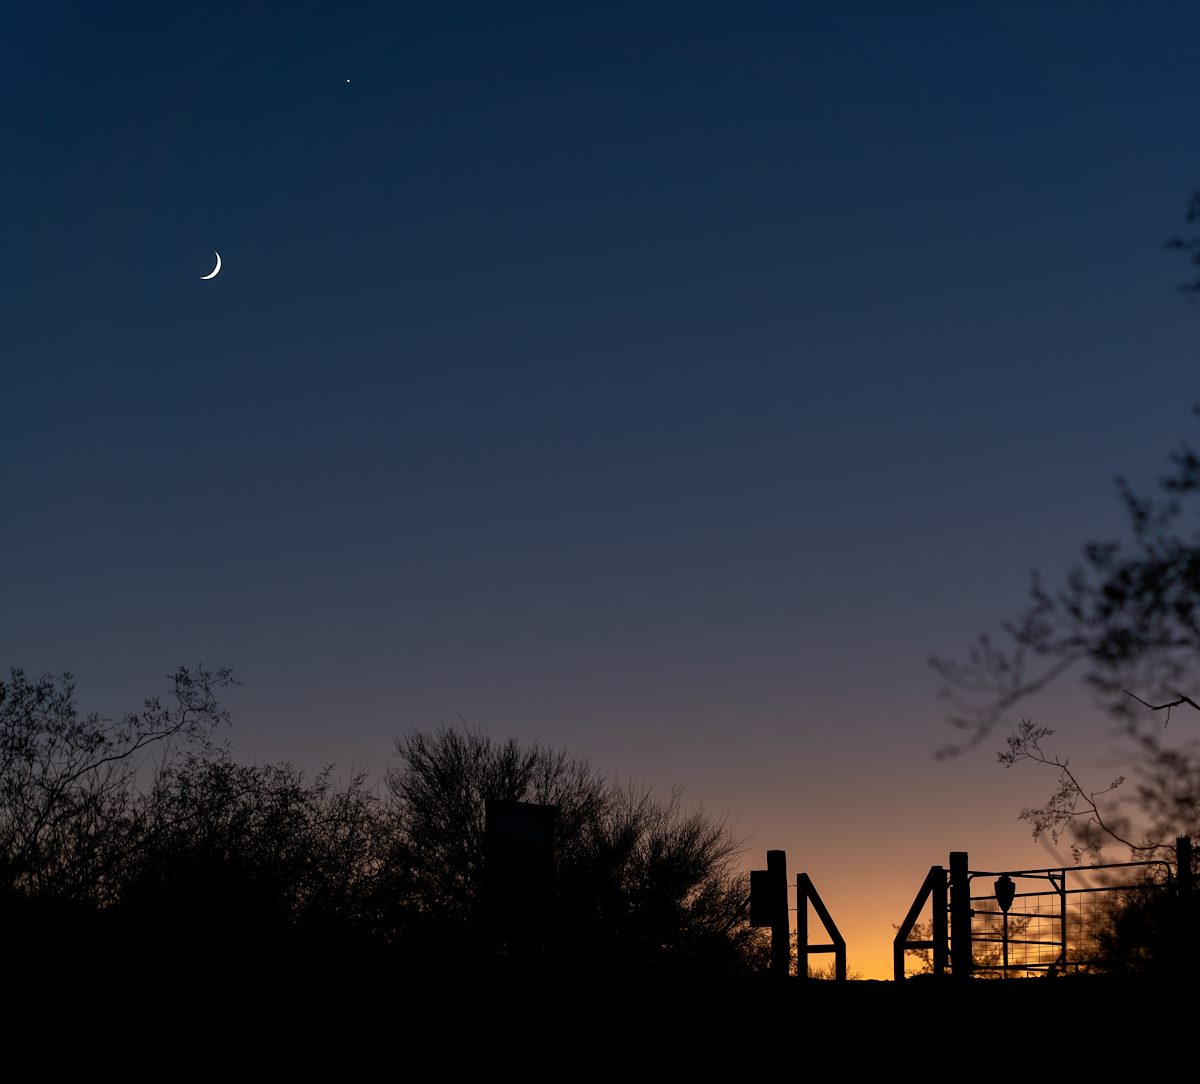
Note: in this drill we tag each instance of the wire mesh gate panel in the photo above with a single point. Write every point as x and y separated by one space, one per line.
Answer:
1113 916
1059 919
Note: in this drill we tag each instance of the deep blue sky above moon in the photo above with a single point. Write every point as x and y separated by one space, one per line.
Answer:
664 382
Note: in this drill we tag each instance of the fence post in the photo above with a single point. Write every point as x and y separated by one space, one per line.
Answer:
937 926
801 928
781 946
1185 910
961 959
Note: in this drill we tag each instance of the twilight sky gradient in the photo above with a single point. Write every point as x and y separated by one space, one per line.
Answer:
661 381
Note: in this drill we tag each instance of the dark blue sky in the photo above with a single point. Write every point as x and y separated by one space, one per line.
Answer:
661 381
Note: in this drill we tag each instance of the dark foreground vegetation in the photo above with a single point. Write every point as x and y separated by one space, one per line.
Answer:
141 846
159 897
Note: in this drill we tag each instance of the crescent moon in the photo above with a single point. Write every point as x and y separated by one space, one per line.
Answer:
215 271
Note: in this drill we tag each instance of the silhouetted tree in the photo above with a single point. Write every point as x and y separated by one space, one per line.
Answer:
108 857
1146 928
639 883
233 858
1127 618
66 779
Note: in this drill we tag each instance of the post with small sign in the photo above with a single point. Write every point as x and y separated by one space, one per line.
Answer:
768 907
518 879
1006 891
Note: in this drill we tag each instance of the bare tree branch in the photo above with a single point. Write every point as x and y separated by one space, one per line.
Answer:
1159 707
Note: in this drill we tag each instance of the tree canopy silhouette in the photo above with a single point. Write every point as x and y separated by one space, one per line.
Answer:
108 853
1127 618
67 780
638 882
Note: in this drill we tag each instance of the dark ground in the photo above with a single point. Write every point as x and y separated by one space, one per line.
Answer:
343 1022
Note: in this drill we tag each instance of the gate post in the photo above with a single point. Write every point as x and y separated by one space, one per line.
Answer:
961 959
801 928
1185 907
781 941
937 926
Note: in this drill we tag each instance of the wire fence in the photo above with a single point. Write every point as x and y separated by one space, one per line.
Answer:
1071 919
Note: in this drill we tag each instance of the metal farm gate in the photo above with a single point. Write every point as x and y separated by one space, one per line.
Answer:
1045 921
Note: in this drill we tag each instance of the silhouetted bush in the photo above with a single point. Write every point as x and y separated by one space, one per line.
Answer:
206 867
1146 929
232 857
639 884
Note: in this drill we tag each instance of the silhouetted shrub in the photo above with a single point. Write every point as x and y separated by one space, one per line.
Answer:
639 884
207 868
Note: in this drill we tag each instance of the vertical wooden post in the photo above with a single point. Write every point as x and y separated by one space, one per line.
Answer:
938 933
801 927
1185 932
781 948
961 960
1062 918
